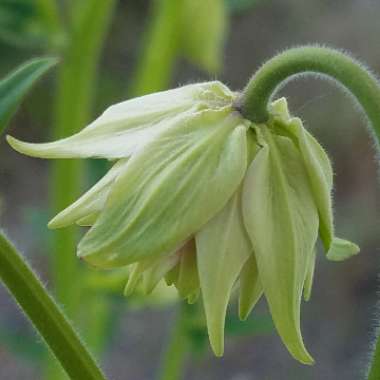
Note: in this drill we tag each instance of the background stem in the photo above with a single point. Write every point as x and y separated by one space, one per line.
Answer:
89 21
46 316
174 356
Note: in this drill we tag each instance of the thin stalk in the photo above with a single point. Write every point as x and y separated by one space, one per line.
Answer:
160 48
174 357
345 71
89 22
46 315
75 91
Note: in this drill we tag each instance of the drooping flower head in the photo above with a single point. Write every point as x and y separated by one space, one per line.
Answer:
207 201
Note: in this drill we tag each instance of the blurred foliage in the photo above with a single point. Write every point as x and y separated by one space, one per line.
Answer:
14 87
193 29
240 6
26 348
27 24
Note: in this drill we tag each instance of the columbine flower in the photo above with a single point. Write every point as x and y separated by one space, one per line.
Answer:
206 200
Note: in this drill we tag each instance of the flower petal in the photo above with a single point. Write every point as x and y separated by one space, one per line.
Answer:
169 189
223 247
308 285
250 287
282 222
187 281
90 203
341 250
320 174
126 126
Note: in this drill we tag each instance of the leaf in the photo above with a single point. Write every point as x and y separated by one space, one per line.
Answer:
282 222
223 247
163 196
16 85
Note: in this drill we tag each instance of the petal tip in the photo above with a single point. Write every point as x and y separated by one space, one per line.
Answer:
341 249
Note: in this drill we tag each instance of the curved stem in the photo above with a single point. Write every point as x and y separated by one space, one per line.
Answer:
315 60
320 61
45 314
175 353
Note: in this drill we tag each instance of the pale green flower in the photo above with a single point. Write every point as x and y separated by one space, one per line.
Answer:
208 201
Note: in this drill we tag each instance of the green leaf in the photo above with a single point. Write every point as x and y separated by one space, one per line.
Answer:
282 222
223 247
203 32
16 85
163 196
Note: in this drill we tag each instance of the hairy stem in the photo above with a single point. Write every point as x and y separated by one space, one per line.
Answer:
314 60
46 316
321 61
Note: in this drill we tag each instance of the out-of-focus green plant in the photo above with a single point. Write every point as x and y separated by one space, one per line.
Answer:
30 24
16 274
15 86
88 23
193 29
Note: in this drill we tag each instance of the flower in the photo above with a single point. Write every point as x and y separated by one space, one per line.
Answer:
208 201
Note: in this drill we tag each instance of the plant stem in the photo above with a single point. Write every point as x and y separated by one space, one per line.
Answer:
317 61
347 72
89 21
74 98
175 354
161 45
45 314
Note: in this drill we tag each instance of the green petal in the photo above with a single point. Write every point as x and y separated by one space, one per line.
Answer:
320 173
87 221
250 287
169 189
308 285
157 272
282 222
85 210
172 276
341 250
187 281
125 127
321 178
223 247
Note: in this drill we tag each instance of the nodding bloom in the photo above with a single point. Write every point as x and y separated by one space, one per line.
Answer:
207 201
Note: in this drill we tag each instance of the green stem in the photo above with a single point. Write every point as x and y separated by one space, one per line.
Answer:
46 316
317 61
320 61
175 354
161 45
74 98
89 21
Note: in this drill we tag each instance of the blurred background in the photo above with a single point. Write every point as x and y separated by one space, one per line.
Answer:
114 50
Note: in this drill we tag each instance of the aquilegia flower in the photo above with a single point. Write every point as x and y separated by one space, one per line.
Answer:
206 200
